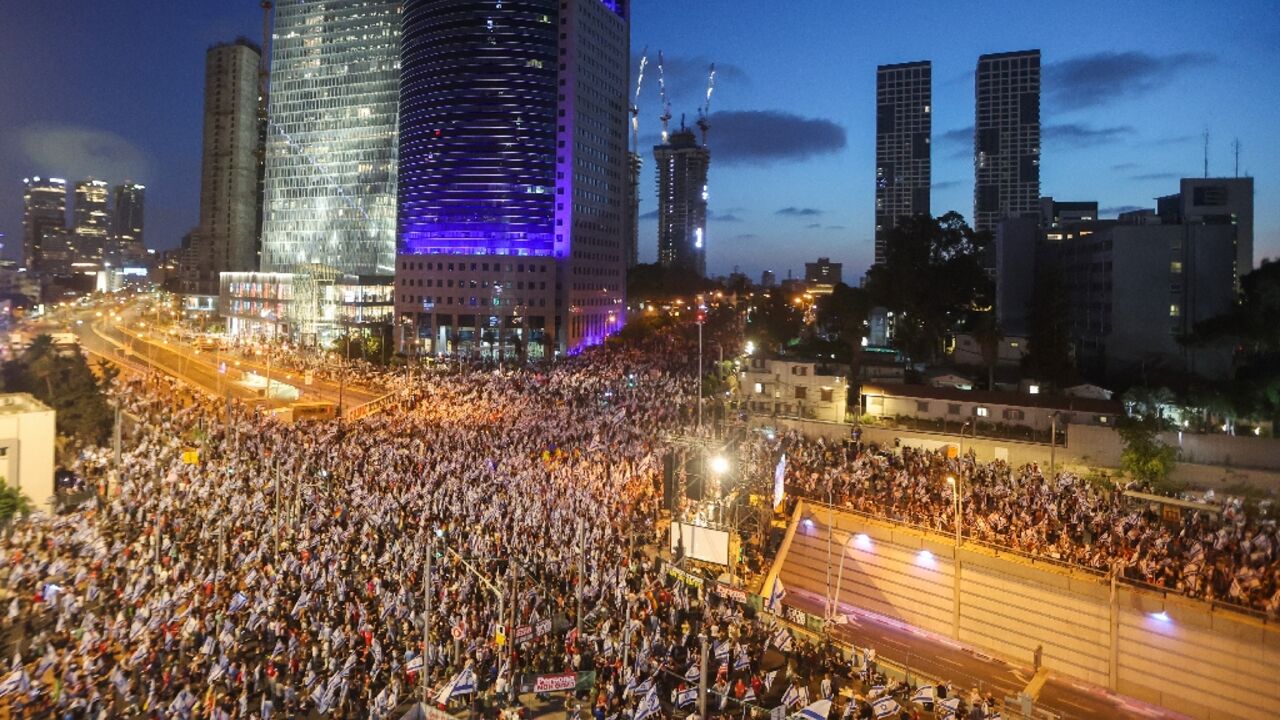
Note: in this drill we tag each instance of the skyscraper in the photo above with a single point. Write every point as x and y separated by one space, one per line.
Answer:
681 165
45 215
330 188
904 124
126 246
1006 138
224 240
92 222
513 165
634 165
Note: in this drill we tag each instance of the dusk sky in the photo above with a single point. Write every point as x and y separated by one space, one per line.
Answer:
114 90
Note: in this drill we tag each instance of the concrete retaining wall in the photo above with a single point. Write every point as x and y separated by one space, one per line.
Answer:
1209 663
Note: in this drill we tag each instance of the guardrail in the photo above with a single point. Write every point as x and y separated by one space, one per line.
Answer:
1099 575
373 407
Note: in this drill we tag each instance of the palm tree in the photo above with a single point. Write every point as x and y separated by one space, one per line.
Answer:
987 332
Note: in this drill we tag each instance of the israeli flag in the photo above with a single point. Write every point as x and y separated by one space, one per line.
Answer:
782 639
816 711
885 707
791 696
722 651
743 661
649 706
693 673
949 707
462 684
686 697
414 665
926 694
238 601
775 595
750 695
207 647
768 680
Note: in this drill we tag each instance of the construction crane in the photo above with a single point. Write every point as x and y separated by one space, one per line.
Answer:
666 102
635 104
704 114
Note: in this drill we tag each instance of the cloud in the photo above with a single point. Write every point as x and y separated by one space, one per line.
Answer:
1117 209
686 80
1092 80
1077 135
764 137
798 212
1125 166
945 185
651 215
958 135
746 236
726 216
835 227
1156 176
77 152
812 226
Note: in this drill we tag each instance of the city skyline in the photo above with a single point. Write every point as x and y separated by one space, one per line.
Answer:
792 131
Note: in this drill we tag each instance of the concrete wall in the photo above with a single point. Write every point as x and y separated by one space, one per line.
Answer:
1208 663
27 432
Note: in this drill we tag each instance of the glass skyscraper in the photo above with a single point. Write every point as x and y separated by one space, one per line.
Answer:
904 124
330 188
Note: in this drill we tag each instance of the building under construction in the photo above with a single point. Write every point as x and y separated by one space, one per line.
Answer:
681 164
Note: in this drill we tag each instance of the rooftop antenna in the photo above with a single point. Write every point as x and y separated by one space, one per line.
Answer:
704 113
1206 152
635 103
666 102
1235 146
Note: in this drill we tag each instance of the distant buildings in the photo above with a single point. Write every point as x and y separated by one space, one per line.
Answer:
1132 287
1215 201
1006 138
127 246
513 234
768 279
824 273
225 238
634 164
44 220
330 186
681 164
92 224
796 388
904 124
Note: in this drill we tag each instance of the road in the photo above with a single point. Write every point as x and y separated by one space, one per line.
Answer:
938 657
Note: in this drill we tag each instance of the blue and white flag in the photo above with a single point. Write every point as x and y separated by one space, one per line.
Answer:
775 596
16 682
208 646
649 706
926 694
462 684
816 711
750 695
743 661
693 673
238 601
687 697
768 680
791 696
722 651
885 707
781 639
948 708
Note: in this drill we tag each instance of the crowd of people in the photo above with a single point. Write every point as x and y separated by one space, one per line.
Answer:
1221 553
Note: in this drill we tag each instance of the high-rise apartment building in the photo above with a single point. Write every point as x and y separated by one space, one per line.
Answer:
330 185
513 174
225 240
44 216
1006 138
1215 201
91 223
681 166
904 125
126 246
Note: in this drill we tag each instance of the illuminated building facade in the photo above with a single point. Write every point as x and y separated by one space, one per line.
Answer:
513 164
92 224
1006 141
44 223
330 185
127 222
904 124
681 165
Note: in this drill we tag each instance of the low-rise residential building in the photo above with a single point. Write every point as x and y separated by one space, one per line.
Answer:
27 432
952 409
796 388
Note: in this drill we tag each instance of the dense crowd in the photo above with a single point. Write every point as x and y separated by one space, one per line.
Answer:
1219 553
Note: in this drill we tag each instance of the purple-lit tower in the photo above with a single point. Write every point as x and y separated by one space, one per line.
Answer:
512 177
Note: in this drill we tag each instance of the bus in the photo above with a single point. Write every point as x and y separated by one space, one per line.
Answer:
305 411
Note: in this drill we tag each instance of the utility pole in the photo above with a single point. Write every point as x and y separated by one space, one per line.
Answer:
699 372
702 675
277 520
582 570
1053 442
426 620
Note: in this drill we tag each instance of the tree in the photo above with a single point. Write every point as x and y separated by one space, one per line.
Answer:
774 320
12 502
1144 457
655 282
1049 356
932 278
64 382
986 330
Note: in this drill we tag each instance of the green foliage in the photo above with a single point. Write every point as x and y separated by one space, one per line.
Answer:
1049 333
1145 458
63 381
12 502
774 320
653 282
932 278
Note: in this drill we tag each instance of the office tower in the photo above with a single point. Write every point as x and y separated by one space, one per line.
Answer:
768 279
904 124
1006 138
330 186
45 213
824 272
513 170
224 240
681 166
126 246
92 223
1215 201
634 165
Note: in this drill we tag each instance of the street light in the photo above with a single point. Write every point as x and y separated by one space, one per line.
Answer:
719 464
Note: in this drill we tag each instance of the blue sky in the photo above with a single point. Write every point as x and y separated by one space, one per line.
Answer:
114 90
